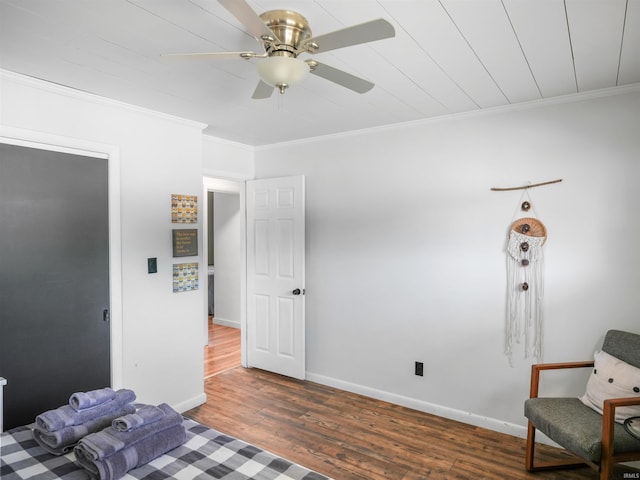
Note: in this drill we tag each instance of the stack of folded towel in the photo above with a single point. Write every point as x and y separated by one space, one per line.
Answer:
131 441
59 430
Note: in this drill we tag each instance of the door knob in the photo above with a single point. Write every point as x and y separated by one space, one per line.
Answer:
296 291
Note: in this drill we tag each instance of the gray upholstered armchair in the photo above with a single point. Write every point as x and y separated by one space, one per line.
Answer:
596 438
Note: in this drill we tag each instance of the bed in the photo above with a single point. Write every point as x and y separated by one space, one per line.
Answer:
207 454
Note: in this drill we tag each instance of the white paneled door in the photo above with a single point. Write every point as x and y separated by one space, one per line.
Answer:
275 275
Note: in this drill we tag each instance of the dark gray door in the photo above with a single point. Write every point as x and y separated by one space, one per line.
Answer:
54 279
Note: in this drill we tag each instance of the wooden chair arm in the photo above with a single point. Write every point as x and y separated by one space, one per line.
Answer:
614 403
538 367
608 421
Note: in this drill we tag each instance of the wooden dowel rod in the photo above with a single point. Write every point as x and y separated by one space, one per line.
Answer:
524 187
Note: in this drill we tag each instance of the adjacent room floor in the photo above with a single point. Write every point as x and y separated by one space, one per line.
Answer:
223 350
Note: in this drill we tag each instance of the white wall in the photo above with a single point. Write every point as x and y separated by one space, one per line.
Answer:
223 159
227 258
405 249
158 337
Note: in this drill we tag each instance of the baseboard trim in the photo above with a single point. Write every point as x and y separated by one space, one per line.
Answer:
190 403
226 323
420 405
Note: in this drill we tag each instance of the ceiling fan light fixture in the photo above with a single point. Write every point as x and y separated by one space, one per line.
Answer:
282 72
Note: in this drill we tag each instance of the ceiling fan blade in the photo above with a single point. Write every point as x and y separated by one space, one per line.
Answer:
263 90
364 32
357 84
248 17
207 55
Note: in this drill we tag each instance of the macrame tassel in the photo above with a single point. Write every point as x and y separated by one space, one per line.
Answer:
525 291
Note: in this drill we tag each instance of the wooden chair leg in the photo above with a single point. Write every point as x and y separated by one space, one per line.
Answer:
608 425
531 442
606 468
571 462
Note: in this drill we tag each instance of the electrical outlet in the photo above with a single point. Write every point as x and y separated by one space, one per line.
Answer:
419 369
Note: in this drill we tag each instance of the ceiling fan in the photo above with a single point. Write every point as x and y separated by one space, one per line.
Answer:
284 35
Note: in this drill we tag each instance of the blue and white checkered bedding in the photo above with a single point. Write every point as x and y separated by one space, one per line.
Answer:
207 454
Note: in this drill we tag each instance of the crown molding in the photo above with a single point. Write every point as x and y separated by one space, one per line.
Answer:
479 113
54 88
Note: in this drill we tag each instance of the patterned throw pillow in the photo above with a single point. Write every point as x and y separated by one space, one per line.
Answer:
612 378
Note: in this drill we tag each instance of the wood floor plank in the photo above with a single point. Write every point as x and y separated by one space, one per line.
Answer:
223 350
351 437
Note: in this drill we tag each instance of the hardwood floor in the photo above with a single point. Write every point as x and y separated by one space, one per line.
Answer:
352 437
223 350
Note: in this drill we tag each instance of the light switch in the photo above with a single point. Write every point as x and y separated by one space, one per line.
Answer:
152 265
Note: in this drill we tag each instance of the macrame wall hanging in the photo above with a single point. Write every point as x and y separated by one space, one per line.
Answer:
525 278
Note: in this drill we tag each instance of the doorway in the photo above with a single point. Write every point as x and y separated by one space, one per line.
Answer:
55 300
281 346
224 238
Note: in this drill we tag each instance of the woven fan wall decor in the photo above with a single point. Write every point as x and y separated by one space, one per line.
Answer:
525 277
525 285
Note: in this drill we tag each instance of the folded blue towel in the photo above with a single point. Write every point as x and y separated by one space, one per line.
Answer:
106 442
143 416
65 416
117 465
63 440
81 400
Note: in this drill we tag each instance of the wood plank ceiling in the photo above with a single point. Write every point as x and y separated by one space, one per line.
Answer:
448 56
